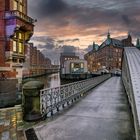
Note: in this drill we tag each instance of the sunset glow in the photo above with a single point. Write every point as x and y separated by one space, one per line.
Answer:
80 23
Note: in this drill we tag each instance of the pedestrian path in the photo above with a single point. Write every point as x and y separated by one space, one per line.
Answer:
102 115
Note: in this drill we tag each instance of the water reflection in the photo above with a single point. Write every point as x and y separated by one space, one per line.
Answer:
52 80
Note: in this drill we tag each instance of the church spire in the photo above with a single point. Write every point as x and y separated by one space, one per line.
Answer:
129 37
108 35
93 45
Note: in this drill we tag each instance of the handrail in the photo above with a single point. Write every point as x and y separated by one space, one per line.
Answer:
16 13
52 99
130 78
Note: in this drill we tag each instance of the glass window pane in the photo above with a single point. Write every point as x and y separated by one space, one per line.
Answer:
20 47
15 5
20 35
14 46
21 8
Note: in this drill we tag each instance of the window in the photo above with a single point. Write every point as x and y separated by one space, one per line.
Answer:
14 46
21 8
20 35
18 5
82 65
20 47
14 60
72 65
21 60
15 5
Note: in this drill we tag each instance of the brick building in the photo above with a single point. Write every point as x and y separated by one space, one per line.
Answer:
108 55
36 63
16 28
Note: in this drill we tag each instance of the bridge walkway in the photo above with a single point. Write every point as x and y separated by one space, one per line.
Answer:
102 115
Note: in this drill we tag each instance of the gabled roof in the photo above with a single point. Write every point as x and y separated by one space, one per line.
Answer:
111 41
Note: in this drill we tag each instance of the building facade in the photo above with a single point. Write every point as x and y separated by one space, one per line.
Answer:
108 55
78 66
16 28
67 56
35 63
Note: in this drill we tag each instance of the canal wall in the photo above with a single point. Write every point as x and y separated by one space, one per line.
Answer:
8 90
38 75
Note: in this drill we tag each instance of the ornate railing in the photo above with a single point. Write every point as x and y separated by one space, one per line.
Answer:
54 99
16 13
131 81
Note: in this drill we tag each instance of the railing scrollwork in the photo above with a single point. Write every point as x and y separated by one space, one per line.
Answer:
54 99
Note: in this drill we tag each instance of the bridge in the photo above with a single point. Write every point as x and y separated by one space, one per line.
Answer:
102 108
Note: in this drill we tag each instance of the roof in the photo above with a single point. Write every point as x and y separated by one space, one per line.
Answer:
107 42
68 54
111 41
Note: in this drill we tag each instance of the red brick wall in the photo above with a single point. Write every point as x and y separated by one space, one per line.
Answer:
2 34
108 56
2 5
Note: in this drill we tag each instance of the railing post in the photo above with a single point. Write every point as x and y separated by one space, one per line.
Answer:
31 100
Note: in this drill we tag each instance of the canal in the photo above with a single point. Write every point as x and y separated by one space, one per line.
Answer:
11 118
52 80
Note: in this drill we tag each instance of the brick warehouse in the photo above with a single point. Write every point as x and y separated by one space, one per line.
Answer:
16 28
36 63
108 55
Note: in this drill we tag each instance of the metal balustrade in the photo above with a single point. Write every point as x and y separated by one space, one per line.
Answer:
131 81
54 99
16 13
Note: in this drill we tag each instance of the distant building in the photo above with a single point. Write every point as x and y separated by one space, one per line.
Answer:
67 56
36 63
16 28
108 55
78 66
75 69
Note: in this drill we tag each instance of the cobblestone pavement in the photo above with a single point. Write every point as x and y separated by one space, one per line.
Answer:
10 124
102 115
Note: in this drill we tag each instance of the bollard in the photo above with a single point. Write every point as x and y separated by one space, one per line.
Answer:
31 100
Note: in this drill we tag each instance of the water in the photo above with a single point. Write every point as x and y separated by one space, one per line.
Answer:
50 81
53 80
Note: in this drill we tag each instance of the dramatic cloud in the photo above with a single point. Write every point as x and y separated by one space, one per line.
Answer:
47 46
68 49
80 22
53 52
51 7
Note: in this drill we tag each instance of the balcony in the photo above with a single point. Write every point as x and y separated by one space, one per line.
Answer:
17 65
18 14
11 56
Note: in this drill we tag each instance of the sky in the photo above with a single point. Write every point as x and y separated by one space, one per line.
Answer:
76 24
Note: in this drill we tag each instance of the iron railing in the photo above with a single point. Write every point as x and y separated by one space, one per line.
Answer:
54 99
16 13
